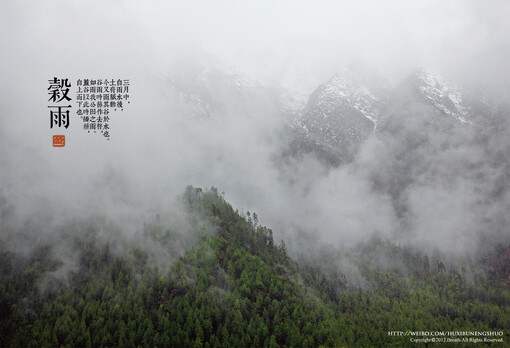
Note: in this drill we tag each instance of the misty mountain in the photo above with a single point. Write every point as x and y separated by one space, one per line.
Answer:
212 89
432 90
186 97
425 103
340 114
343 113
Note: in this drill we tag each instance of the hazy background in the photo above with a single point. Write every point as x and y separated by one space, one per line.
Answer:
156 149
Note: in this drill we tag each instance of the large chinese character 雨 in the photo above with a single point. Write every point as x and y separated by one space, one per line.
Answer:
58 117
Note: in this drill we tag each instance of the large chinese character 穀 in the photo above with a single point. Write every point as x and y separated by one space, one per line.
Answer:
59 90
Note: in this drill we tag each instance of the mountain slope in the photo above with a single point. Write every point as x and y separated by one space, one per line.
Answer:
232 288
235 287
342 113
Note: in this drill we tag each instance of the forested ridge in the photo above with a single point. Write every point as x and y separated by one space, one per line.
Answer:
235 286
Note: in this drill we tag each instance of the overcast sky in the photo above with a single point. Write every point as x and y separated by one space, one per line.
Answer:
267 39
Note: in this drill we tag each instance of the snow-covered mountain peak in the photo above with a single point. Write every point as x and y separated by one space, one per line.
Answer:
343 112
349 87
445 96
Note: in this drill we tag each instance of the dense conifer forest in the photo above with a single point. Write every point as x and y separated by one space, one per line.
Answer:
234 286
